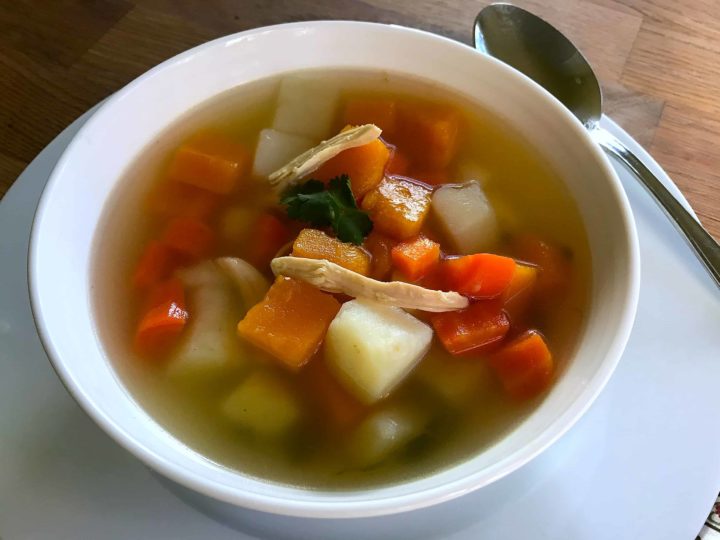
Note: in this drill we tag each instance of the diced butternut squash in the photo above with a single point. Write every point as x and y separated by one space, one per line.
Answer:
385 432
210 161
398 164
456 381
554 268
315 244
208 347
465 217
265 404
473 329
269 234
518 294
398 207
365 165
428 132
335 404
380 247
381 112
483 275
416 257
172 199
525 366
156 263
306 106
291 321
189 237
372 347
275 149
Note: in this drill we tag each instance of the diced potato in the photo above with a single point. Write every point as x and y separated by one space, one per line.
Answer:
276 148
456 381
306 106
315 244
263 403
466 217
236 222
209 345
372 347
398 207
386 431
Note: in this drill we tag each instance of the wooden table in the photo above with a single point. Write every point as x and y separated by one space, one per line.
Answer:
659 61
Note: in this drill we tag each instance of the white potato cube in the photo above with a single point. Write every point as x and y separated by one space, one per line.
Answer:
209 345
263 403
384 432
276 149
372 347
306 106
456 381
466 217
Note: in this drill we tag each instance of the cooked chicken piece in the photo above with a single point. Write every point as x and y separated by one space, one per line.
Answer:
331 277
312 159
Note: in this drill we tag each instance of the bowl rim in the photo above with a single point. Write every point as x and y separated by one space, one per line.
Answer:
372 506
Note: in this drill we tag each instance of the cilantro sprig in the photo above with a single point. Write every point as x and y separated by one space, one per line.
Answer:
333 206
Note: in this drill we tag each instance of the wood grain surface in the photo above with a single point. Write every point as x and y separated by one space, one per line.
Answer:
659 62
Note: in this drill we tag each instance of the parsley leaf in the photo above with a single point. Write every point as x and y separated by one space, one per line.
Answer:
334 206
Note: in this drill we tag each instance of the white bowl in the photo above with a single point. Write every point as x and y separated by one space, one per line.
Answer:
71 206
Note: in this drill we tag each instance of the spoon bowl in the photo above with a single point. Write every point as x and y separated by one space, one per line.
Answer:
540 51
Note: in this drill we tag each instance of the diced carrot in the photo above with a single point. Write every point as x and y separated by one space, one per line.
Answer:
291 321
170 290
315 244
398 164
380 247
210 161
398 207
483 275
416 257
172 199
472 329
518 294
365 165
269 235
428 133
433 177
381 112
156 263
334 402
160 327
524 366
554 268
189 236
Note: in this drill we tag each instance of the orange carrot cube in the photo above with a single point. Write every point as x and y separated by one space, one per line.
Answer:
291 321
524 366
416 257
472 329
160 327
269 234
172 199
315 244
380 248
156 263
189 236
210 161
398 207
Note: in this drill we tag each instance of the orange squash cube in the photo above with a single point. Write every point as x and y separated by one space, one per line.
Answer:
365 165
381 112
524 366
315 244
429 134
210 161
398 207
291 321
380 248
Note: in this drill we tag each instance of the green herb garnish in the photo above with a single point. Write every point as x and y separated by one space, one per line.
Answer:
334 206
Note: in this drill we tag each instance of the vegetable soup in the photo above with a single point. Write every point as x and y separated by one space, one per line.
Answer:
340 279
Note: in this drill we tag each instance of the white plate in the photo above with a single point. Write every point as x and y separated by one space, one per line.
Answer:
644 462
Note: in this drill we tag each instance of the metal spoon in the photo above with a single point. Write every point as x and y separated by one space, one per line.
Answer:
537 49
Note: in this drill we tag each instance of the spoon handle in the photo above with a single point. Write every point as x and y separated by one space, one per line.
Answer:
706 248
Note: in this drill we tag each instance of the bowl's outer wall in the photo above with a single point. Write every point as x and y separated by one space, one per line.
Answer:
71 207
